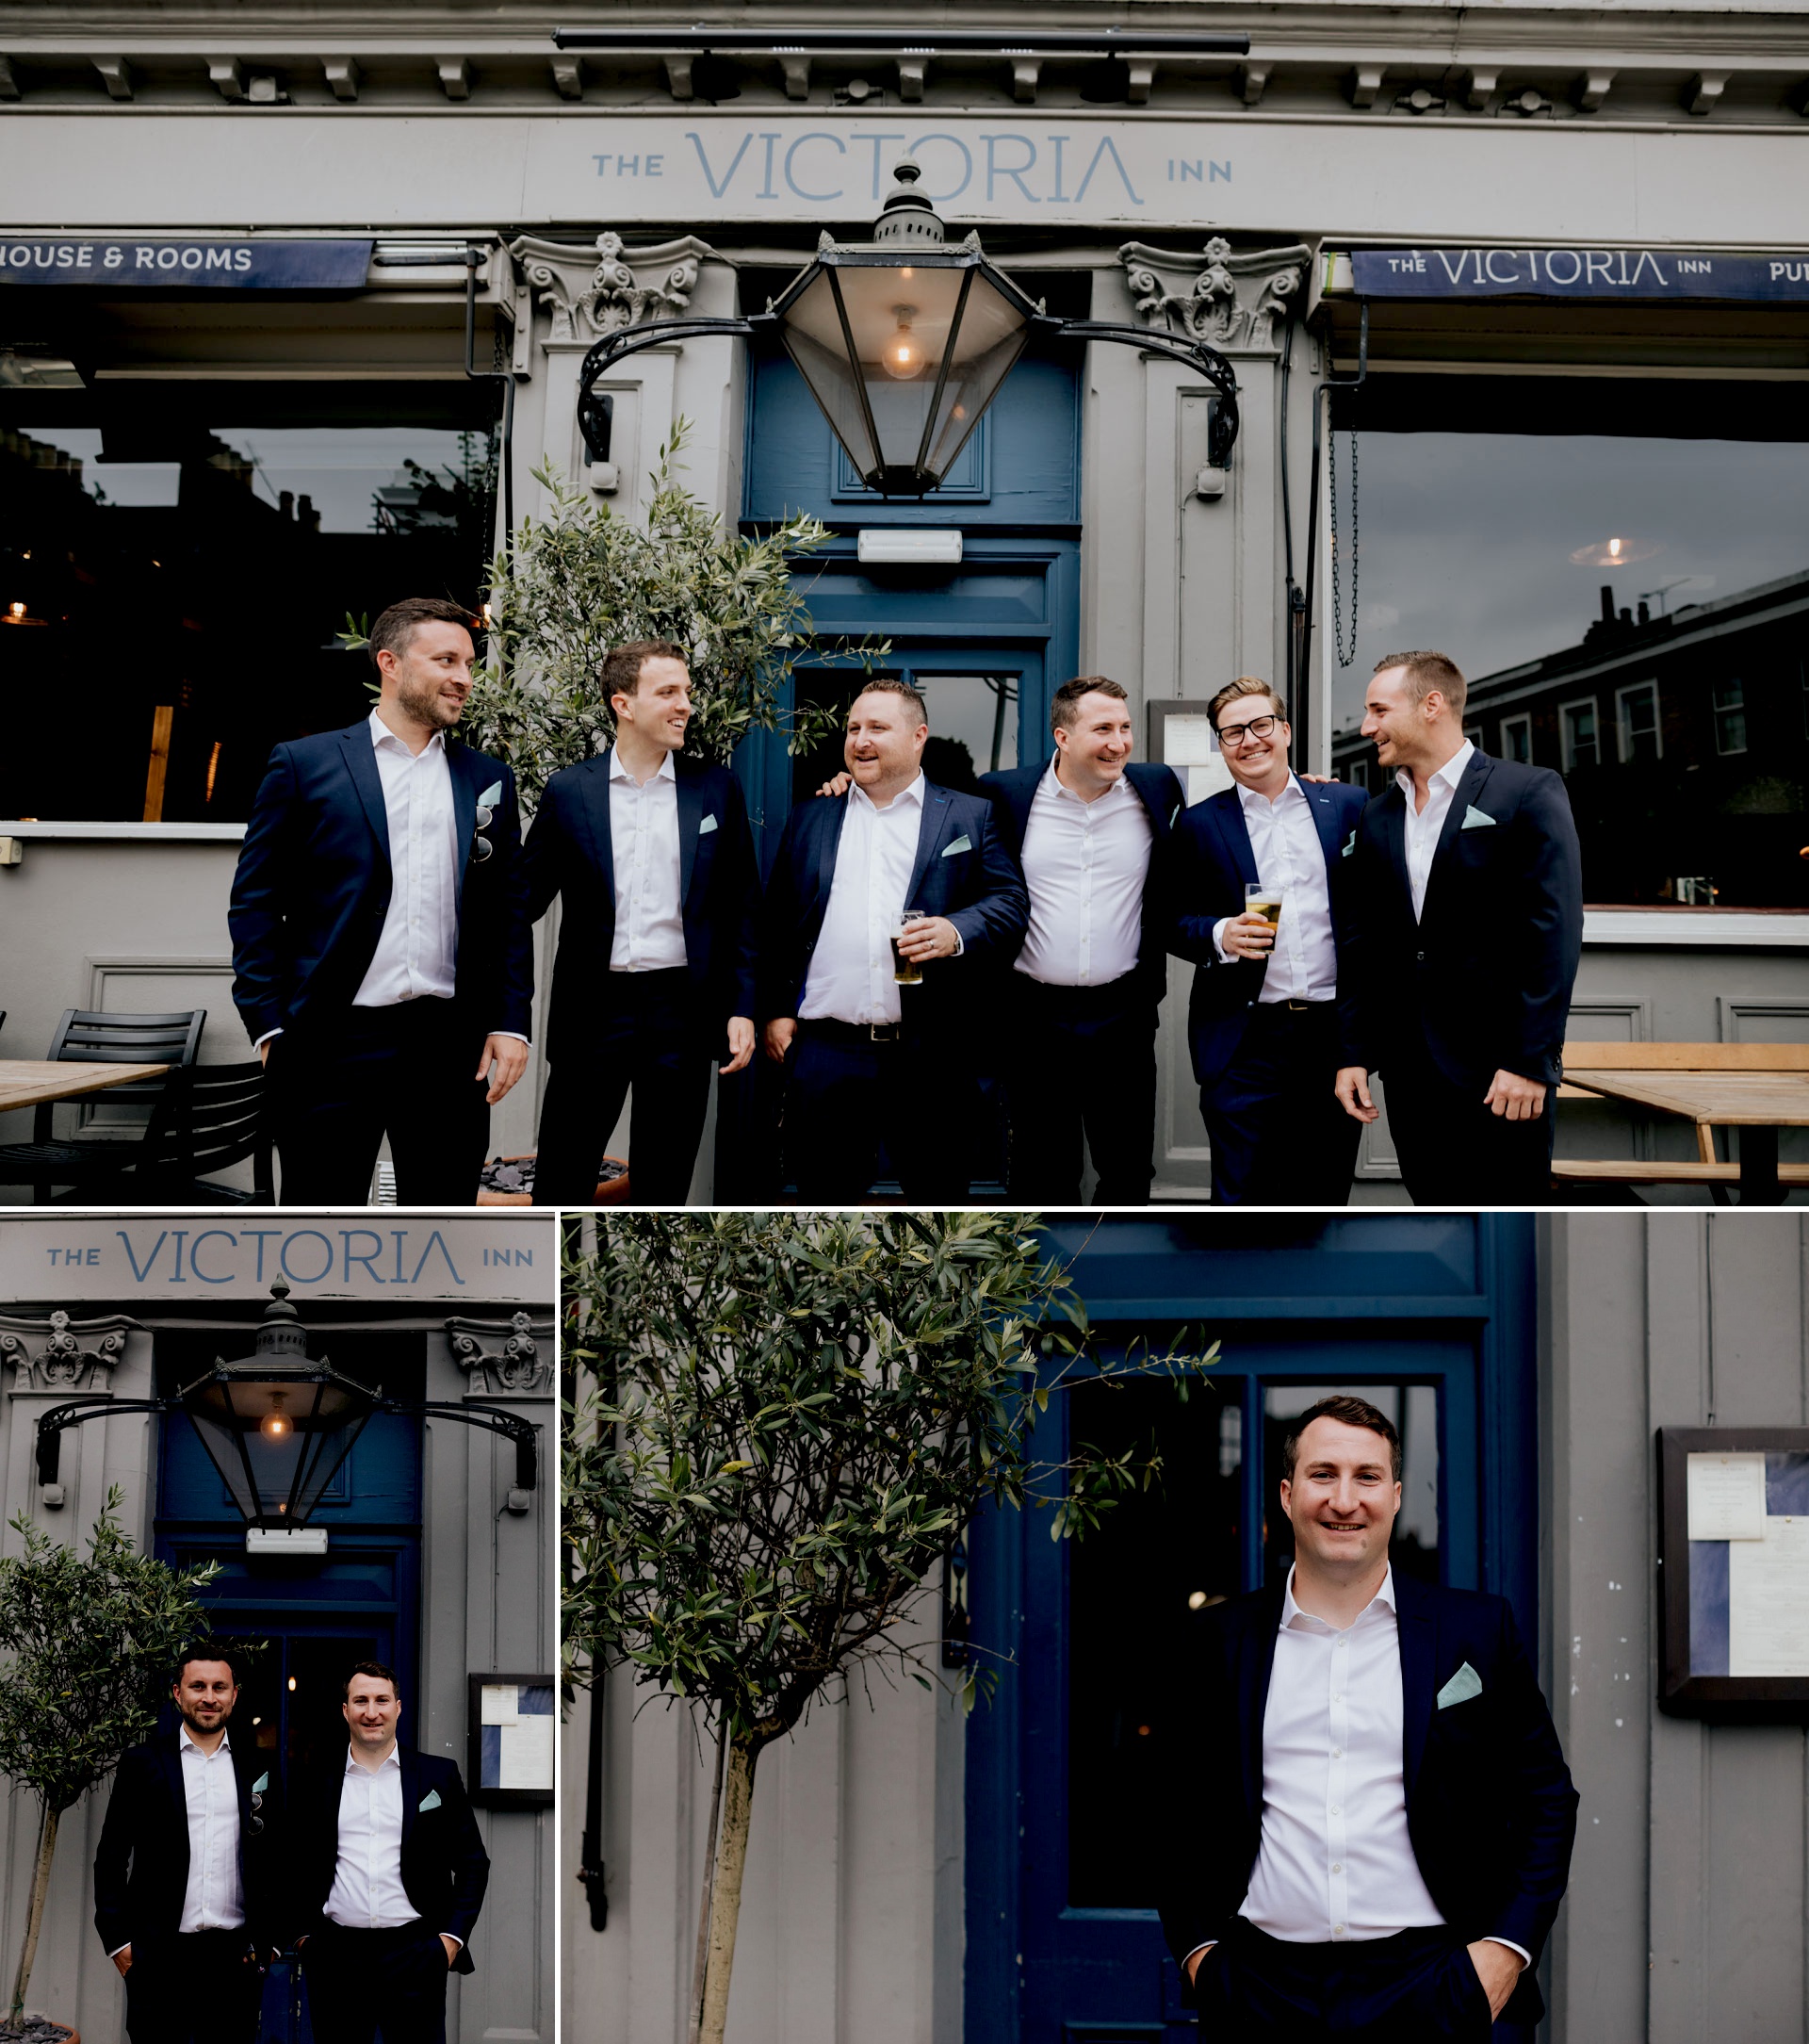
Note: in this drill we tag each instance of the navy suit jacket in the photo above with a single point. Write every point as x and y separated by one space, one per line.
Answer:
141 1864
445 1868
1486 973
978 888
1011 793
1490 1810
314 881
1212 862
569 854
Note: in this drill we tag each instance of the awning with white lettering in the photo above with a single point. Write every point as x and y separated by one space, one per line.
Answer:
241 265
1654 273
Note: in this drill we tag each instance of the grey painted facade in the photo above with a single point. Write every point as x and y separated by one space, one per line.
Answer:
1347 124
1686 1916
485 1592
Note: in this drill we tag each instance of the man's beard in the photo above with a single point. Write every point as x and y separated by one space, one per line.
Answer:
197 1728
423 702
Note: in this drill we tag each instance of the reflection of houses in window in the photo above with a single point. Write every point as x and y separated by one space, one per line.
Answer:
1701 775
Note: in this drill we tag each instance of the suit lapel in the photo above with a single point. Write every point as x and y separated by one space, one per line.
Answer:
691 817
1393 828
169 1753
828 838
1419 1640
462 765
411 1762
594 811
1256 1664
929 831
1228 815
361 764
1469 786
1325 819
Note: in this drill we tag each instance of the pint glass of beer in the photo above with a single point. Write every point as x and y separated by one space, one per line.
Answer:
1262 899
906 972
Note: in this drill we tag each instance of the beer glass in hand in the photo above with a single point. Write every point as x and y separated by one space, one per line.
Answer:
906 972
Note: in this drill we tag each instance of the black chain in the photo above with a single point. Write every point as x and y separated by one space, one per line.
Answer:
1337 553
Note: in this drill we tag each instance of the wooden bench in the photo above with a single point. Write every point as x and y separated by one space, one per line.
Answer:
1706 1169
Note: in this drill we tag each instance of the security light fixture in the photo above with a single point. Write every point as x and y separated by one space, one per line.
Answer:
904 341
278 1425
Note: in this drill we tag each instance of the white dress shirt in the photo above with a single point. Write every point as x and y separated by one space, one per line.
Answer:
1085 863
849 978
215 1897
1284 841
367 1891
1423 829
1336 1865
418 948
644 850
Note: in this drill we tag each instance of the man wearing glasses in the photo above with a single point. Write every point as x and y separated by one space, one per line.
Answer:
1264 1022
383 958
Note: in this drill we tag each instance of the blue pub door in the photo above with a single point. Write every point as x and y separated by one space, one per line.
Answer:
1069 1812
303 1623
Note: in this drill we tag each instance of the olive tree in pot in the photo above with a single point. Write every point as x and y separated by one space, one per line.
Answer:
791 1419
87 1645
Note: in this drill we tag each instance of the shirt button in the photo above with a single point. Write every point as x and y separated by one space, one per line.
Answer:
1337 1753
1337 1809
1337 1866
1337 1930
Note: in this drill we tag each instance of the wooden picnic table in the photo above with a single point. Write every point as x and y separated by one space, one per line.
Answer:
1758 1103
32 1082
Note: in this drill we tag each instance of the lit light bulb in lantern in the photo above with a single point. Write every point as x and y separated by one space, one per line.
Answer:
276 1424
902 356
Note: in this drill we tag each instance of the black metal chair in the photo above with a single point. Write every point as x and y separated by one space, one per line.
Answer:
94 1164
210 1117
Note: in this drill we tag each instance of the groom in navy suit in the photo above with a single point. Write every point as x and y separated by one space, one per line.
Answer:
1270 1007
1090 828
896 866
382 960
1467 883
652 859
1383 1818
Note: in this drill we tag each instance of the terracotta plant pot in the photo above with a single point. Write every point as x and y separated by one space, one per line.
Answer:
610 1191
70 2035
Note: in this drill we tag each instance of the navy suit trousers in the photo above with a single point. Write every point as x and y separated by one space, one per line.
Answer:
1278 1135
645 1036
1082 1063
358 1979
196 1986
846 1094
1416 1987
1455 1151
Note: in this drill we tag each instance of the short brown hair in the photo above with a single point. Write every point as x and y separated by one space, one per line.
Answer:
393 630
1246 684
1065 706
891 684
1347 1412
376 1670
1424 672
620 673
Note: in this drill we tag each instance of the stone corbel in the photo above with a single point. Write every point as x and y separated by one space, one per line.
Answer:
1232 301
503 1357
60 1354
592 294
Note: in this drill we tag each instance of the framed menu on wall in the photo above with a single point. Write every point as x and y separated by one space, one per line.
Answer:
512 1741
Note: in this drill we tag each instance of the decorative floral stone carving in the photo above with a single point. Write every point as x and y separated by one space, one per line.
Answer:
503 1355
61 1355
620 287
1228 300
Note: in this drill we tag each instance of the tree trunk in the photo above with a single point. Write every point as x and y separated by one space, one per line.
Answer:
699 1971
35 1915
726 1900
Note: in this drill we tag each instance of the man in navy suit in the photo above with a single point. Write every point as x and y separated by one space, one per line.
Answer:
1467 888
872 1059
387 1876
1090 829
1383 1818
384 962
653 863
1269 1004
183 1896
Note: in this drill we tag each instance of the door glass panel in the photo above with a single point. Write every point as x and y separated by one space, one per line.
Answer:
973 726
1158 1559
1412 1410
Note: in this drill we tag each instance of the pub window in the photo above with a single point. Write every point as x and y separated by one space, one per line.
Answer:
1634 533
1639 721
1517 740
1578 723
178 558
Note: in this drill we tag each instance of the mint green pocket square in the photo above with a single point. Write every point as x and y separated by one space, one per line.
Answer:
1349 846
1465 1684
707 825
430 1801
491 796
962 844
259 1786
1475 818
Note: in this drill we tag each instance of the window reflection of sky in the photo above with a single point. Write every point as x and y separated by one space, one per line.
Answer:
340 469
1465 539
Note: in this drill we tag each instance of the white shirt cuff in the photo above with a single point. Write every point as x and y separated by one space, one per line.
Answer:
1218 934
518 1038
455 1938
118 1949
270 1036
1526 1957
1206 1947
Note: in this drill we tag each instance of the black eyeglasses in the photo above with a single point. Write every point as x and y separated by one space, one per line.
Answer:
1234 734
